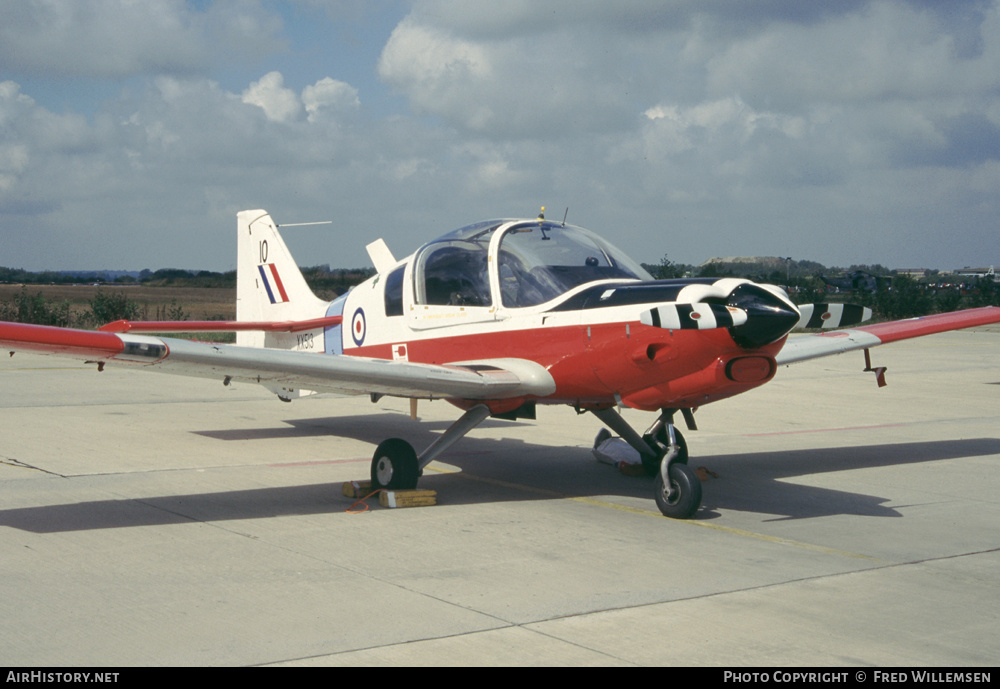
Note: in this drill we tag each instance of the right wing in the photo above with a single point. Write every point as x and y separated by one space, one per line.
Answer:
474 380
804 347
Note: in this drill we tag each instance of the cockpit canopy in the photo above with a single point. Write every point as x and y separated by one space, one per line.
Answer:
515 263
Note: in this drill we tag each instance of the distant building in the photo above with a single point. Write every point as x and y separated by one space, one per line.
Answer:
772 262
978 273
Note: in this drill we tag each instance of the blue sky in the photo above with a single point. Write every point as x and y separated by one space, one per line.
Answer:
861 131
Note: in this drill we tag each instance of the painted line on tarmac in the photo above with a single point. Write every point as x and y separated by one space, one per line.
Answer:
785 541
826 430
319 462
81 367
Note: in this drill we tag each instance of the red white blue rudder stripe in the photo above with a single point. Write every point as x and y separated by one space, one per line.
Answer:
272 283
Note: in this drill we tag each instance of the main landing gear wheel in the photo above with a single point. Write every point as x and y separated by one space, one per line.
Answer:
683 497
662 441
395 465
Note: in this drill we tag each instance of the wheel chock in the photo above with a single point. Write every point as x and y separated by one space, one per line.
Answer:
407 498
390 498
357 489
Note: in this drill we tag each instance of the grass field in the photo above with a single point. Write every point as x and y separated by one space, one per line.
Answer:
155 303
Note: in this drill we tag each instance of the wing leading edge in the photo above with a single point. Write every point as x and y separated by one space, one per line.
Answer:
480 380
805 347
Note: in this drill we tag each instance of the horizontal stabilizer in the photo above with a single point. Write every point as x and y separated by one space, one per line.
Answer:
830 316
220 326
696 316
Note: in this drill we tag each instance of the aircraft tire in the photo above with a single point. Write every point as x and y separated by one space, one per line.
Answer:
395 465
685 498
652 466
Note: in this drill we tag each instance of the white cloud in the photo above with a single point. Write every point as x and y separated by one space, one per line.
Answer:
507 86
888 50
280 104
121 38
182 148
724 138
323 101
731 114
536 17
13 162
12 101
438 72
328 98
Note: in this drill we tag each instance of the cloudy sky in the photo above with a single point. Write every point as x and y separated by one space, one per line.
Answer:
841 131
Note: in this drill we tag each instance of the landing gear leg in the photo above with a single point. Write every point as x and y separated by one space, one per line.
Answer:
661 436
613 420
677 487
396 465
455 432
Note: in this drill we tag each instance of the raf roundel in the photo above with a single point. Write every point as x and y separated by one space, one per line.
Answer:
358 327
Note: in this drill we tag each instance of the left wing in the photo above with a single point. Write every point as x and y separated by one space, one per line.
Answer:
479 380
804 347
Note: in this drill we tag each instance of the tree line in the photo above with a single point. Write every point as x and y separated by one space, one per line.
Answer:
30 306
320 278
893 295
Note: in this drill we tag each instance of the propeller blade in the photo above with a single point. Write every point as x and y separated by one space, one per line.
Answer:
695 316
830 316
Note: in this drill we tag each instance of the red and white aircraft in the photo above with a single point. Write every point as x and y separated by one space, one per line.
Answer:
499 317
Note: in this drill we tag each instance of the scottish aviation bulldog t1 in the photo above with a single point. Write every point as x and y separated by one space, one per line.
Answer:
500 317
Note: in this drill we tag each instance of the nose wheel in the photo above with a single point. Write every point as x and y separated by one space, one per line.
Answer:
680 496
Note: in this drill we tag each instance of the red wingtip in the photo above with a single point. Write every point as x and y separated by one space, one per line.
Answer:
46 338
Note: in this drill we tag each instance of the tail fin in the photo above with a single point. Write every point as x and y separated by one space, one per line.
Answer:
269 284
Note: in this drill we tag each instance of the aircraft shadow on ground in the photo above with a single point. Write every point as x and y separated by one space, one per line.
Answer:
366 428
756 481
510 470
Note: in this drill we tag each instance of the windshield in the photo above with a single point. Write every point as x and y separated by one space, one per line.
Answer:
538 261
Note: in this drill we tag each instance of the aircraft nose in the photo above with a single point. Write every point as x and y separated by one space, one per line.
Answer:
769 317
